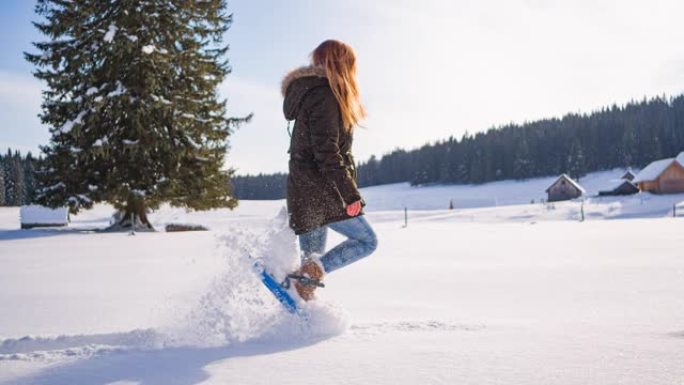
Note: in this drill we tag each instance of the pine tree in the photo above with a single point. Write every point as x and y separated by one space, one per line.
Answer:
132 105
18 179
2 182
29 176
522 165
576 162
8 165
628 148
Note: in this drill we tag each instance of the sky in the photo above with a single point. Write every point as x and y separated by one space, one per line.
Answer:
428 69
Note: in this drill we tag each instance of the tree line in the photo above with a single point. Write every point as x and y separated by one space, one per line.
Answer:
628 136
261 186
617 136
17 178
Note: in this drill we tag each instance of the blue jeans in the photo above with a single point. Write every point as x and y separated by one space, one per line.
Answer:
361 242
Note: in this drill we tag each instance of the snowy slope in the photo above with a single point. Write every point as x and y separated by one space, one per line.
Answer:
515 294
508 192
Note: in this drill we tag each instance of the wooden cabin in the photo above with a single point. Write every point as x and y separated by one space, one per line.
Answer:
563 189
665 176
623 187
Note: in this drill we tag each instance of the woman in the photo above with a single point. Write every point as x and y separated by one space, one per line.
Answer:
323 99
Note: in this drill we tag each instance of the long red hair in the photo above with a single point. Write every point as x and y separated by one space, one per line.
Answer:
339 62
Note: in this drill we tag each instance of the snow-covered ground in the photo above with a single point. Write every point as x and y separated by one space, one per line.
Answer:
400 195
507 292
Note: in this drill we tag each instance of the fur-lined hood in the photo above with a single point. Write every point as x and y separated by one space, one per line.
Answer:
299 73
297 84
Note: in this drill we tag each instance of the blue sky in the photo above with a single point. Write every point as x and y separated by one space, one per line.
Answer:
428 69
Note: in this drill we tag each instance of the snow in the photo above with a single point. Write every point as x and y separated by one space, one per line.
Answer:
120 90
34 214
680 158
131 142
148 49
91 91
505 293
111 31
616 184
100 142
69 125
160 99
193 144
78 199
653 170
400 195
54 186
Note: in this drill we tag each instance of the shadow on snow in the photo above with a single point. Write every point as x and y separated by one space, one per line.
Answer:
20 234
167 366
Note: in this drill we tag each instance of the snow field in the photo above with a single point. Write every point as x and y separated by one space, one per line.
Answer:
442 301
502 193
146 293
237 308
522 294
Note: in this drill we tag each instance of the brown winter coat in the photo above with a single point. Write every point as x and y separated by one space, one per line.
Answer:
321 179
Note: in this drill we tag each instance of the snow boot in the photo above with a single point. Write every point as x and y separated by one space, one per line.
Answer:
308 278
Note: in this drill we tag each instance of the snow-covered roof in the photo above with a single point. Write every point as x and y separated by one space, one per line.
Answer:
616 184
569 180
680 158
629 173
35 214
653 170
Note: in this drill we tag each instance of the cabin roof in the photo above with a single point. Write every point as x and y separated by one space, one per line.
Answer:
629 173
569 180
680 158
619 183
653 170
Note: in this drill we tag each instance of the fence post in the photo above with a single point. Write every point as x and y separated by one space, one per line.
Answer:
582 212
405 216
132 232
674 210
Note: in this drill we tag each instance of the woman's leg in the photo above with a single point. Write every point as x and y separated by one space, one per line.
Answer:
310 244
361 243
313 242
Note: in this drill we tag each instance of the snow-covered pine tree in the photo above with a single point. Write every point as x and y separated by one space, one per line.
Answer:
132 104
